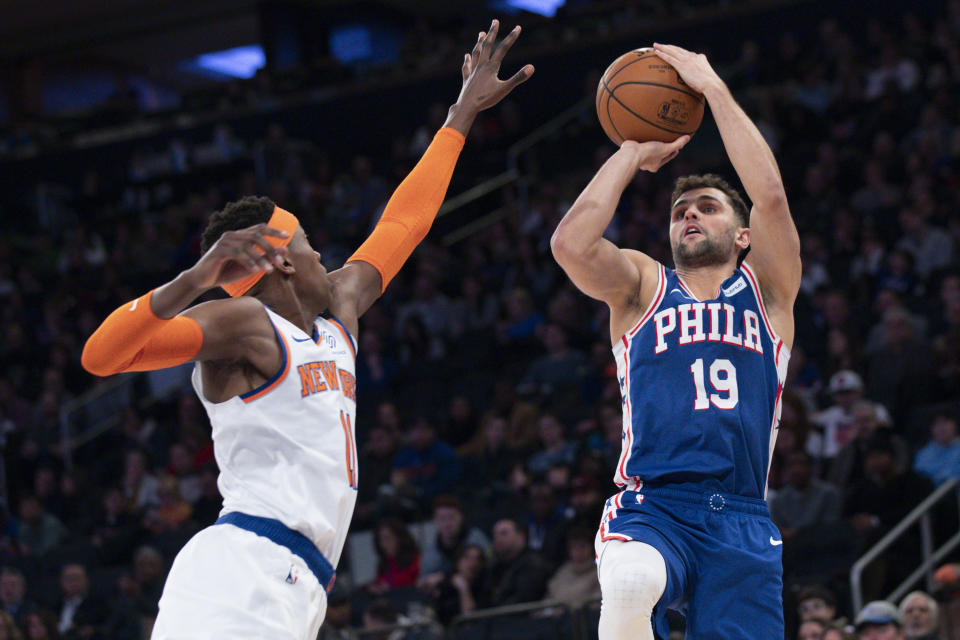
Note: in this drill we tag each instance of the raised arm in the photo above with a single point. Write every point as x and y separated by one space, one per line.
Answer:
154 331
412 208
775 244
622 278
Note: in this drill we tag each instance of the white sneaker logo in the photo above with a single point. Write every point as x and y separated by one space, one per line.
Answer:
775 542
134 305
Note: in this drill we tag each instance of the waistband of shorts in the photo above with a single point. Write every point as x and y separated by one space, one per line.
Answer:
707 499
281 534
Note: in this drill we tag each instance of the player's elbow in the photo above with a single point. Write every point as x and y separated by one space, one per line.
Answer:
565 244
96 360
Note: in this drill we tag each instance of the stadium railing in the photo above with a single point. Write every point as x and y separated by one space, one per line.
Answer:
931 557
543 620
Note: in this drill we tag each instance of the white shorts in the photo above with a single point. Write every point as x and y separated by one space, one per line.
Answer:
227 582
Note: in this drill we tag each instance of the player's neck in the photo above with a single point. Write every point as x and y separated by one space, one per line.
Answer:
284 301
704 282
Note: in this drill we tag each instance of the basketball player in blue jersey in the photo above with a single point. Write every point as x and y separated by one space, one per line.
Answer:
701 354
276 373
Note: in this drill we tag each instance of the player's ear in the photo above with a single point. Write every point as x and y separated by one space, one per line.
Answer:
743 238
286 267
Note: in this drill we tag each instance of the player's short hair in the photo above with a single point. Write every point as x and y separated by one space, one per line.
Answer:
817 591
515 523
239 214
445 500
382 610
713 181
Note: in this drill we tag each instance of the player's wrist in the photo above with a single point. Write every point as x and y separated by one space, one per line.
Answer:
715 89
460 118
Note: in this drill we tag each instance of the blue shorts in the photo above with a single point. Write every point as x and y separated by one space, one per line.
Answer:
723 559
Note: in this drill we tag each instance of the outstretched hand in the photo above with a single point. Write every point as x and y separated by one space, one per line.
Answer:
481 87
694 68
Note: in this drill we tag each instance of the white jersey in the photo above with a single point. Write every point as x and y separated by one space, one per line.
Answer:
287 449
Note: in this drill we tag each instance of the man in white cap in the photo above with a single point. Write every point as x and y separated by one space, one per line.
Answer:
836 421
879 620
920 617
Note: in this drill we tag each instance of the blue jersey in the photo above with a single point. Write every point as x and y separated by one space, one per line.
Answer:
701 383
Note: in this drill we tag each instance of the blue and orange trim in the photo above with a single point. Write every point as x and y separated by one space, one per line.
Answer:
346 334
278 377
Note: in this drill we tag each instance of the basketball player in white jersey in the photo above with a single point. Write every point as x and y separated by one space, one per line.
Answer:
276 374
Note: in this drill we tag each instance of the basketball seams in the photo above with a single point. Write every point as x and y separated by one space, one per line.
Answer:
698 98
610 117
645 56
632 112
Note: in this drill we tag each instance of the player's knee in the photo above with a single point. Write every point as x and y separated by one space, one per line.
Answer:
636 582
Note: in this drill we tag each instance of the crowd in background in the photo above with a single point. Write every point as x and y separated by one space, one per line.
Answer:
488 397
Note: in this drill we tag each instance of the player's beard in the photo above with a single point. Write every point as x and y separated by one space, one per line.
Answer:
712 250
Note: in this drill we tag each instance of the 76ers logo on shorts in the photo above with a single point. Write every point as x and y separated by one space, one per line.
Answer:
292 575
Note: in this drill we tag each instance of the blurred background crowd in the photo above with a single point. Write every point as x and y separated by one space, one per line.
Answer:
489 411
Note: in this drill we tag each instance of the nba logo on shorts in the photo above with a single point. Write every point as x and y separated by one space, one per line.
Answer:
292 575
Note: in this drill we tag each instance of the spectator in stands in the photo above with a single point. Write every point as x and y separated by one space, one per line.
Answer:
172 511
939 459
376 494
207 507
80 614
546 522
461 590
452 533
847 467
148 577
846 389
931 247
879 502
816 603
39 531
180 466
13 589
336 622
139 486
575 583
8 628
426 466
460 421
804 501
398 563
901 366
554 446
376 368
921 616
879 620
41 625
378 614
557 377
837 632
518 574
487 458
811 629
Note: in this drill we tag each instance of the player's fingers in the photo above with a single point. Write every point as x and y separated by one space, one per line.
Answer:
668 56
520 76
488 41
264 253
269 251
259 260
238 253
679 143
505 45
267 230
478 47
465 69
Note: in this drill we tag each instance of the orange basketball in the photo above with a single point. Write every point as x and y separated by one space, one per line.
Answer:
643 98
